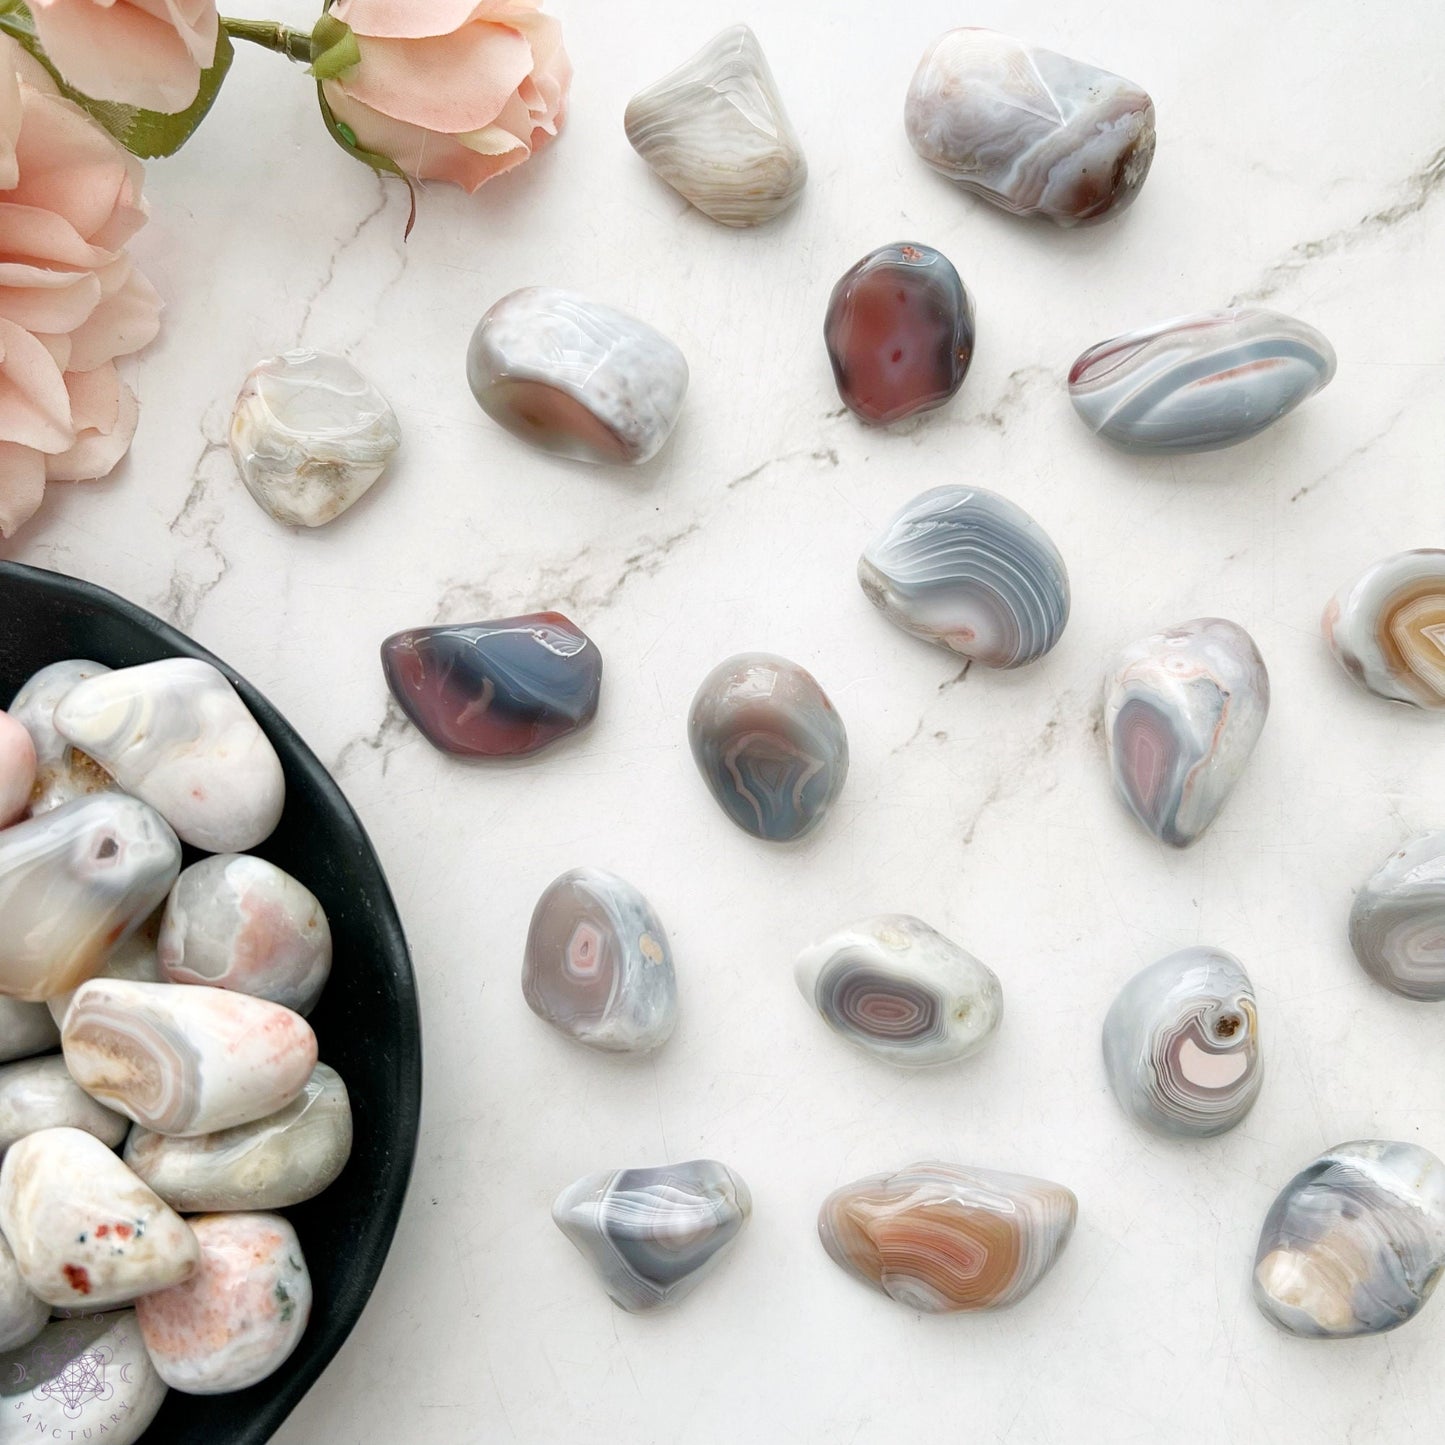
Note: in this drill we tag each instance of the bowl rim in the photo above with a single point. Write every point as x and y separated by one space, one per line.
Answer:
324 1336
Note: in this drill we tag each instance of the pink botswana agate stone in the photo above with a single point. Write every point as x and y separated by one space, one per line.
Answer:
900 333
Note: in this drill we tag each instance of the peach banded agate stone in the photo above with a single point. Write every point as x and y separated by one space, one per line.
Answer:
942 1239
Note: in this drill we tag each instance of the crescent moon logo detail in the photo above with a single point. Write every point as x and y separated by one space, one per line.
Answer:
125 1374
21 1374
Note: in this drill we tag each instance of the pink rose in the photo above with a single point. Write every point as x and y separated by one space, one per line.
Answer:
70 300
452 90
148 53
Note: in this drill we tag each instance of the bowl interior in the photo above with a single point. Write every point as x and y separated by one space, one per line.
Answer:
367 1021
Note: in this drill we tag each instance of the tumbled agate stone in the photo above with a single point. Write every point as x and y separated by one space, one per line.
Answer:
238 922
185 1060
282 1159
970 571
941 1238
1181 1044
1183 710
63 773
176 734
901 990
1387 628
715 130
237 1319
25 1029
22 1314
652 1234
40 1094
899 331
769 745
134 957
575 377
1032 131
1355 1242
86 1232
309 435
1199 382
17 769
495 689
598 966
88 1376
73 883
1397 924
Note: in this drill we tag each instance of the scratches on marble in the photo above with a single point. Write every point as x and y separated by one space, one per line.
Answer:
1017 771
1350 457
382 741
826 455
342 246
1414 193
200 564
1017 389
947 685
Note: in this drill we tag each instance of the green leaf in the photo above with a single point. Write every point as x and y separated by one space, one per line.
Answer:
345 137
145 133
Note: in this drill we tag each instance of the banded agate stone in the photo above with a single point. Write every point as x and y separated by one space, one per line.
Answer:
652 1234
1355 1242
238 922
941 1238
237 1319
73 883
309 436
1032 131
1397 924
18 768
86 1232
26 1028
1387 628
970 571
716 131
1181 1044
576 378
63 773
899 332
1183 710
39 1094
176 734
769 745
185 1059
598 966
1200 382
901 990
22 1314
500 689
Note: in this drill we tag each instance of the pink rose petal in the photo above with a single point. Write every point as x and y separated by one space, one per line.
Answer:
10 112
148 53
105 421
22 485
34 404
451 83
412 19
127 318
41 299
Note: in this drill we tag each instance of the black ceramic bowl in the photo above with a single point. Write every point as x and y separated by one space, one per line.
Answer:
367 1021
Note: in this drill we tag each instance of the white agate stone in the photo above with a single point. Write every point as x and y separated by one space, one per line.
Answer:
82 1379
25 1029
86 1232
17 769
716 131
185 1060
134 958
39 1094
901 990
309 435
22 1314
176 734
242 1313
575 377
73 883
242 923
63 773
286 1158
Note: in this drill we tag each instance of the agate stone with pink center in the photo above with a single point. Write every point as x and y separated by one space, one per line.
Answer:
598 966
900 332
495 689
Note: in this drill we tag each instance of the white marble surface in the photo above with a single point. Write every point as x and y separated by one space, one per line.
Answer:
1301 160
